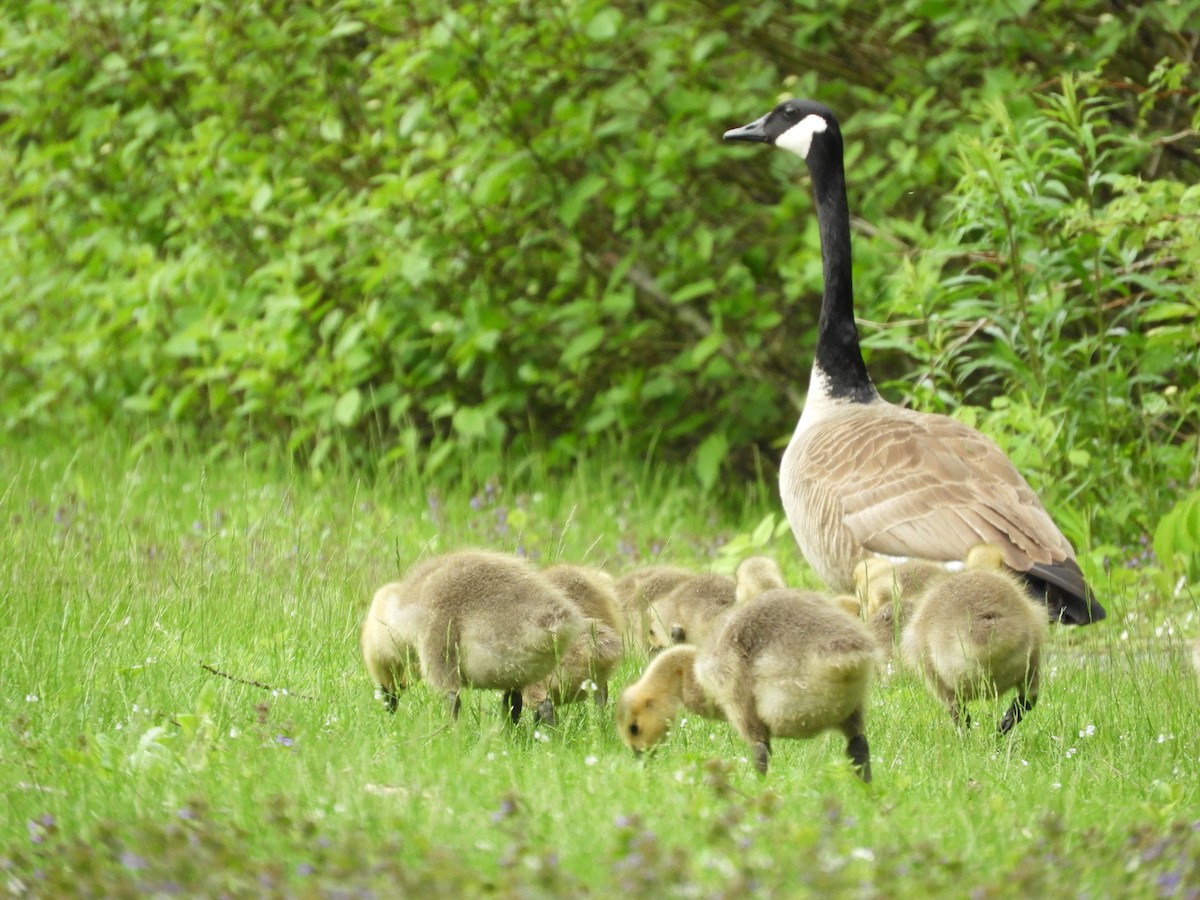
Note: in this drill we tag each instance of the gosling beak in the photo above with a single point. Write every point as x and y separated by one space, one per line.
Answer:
754 133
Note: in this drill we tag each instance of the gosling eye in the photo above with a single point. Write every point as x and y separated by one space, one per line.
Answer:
633 729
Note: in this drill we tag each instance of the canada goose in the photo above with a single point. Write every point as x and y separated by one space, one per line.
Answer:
864 476
787 665
474 618
755 575
594 654
977 633
878 581
686 614
639 588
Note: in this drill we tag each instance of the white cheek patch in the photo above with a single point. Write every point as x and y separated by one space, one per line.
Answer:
799 137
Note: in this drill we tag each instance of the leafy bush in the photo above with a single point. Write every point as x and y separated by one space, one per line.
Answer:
409 231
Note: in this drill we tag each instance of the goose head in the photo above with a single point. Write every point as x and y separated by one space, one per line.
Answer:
804 127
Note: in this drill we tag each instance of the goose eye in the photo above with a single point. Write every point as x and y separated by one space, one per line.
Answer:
633 729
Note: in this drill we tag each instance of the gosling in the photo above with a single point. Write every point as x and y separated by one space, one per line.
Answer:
888 622
688 613
592 656
475 619
977 633
879 581
637 590
756 575
787 665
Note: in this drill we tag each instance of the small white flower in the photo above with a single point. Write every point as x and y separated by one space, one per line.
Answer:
1162 738
1056 785
1024 762
31 698
590 686
1071 751
233 732
1125 635
1087 731
539 736
863 853
590 760
491 757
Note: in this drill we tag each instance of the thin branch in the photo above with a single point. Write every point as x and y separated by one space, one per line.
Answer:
253 683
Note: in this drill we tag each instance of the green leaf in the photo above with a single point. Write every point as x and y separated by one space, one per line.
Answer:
693 290
576 199
470 421
763 532
261 198
709 456
582 344
332 129
604 25
345 410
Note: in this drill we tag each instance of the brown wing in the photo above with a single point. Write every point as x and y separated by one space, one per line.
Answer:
920 485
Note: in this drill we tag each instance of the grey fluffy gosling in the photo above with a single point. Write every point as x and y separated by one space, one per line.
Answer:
589 661
787 665
755 575
688 613
879 581
474 618
639 588
977 633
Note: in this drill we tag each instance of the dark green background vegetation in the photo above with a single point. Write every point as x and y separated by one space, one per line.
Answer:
425 233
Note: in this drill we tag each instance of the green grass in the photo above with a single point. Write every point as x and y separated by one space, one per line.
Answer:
129 768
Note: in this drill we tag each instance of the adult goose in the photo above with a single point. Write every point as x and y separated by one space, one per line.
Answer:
862 476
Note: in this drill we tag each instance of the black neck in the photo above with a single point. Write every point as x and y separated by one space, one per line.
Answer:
838 353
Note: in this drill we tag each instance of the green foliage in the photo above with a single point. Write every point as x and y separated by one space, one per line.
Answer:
426 233
1066 309
1177 539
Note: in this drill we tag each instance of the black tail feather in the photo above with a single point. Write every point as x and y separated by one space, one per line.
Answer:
1061 587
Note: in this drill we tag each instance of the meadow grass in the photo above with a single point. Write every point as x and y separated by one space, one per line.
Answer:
186 711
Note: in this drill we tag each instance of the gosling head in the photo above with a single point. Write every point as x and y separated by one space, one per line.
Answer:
795 125
642 721
985 557
756 575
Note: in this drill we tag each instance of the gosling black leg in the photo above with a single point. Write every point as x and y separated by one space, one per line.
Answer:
856 745
860 756
455 704
545 713
1021 704
762 756
512 704
392 699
